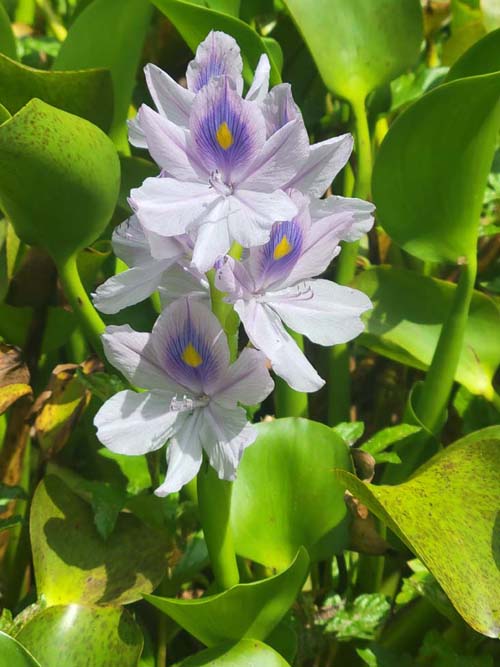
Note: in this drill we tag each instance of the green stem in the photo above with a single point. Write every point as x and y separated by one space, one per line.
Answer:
90 321
214 494
435 393
214 503
339 378
25 12
287 401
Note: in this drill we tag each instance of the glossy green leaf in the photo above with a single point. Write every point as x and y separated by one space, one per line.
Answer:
244 611
74 564
247 653
117 29
73 635
289 467
84 93
359 45
482 58
15 655
430 174
194 22
447 514
7 40
70 169
407 329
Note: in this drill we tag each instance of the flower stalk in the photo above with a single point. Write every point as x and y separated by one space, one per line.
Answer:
339 386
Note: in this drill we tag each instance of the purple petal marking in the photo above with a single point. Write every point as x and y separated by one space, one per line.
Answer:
217 55
282 251
227 131
189 355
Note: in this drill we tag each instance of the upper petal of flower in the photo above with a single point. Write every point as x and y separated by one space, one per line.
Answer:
130 423
190 345
266 331
227 132
279 108
279 160
352 217
133 354
136 134
323 311
130 243
260 84
167 144
226 435
184 454
247 381
218 55
171 99
325 160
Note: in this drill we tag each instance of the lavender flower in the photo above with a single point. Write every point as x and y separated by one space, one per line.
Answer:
192 394
218 55
272 287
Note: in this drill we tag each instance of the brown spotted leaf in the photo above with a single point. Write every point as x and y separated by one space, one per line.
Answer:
448 514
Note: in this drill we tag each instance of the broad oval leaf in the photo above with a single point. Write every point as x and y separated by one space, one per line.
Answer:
7 40
407 317
448 515
430 174
359 45
87 94
72 173
74 564
246 653
117 29
285 495
482 58
73 635
15 655
194 22
249 611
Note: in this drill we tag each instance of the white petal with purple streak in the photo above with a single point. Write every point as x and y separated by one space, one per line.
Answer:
218 55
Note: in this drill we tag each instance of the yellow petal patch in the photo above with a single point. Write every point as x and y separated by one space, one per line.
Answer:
283 248
191 356
224 136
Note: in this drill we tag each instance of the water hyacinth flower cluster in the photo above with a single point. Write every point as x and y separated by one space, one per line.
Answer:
235 171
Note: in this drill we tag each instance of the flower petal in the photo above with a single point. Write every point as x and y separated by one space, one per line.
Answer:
260 84
179 281
130 423
136 134
226 435
218 55
266 331
171 99
279 108
325 161
279 160
252 214
323 311
167 144
353 217
132 353
247 381
184 455
212 241
130 287
190 345
130 243
169 207
227 132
